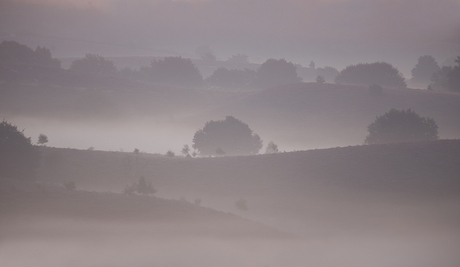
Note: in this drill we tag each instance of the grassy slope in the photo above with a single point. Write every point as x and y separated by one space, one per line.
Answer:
30 202
420 166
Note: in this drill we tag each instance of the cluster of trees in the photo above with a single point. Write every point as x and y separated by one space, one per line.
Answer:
13 53
273 72
447 78
427 72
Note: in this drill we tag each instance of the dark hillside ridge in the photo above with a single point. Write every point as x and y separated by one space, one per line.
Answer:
420 167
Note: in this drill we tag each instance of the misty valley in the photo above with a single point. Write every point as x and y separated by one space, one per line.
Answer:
139 153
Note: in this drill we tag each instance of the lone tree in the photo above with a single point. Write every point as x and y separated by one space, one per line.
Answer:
274 72
401 126
186 150
18 157
424 69
272 148
375 73
42 139
93 64
230 135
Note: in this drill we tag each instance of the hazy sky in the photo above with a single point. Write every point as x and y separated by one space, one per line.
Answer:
330 32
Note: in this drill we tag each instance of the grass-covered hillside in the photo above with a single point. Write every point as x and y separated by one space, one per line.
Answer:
431 167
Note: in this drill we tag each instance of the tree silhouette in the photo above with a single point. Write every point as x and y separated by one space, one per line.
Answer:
12 52
231 135
42 139
145 187
93 64
18 157
175 71
401 126
380 73
424 69
186 150
274 72
271 148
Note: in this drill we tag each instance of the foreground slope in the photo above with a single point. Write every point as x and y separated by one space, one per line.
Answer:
431 167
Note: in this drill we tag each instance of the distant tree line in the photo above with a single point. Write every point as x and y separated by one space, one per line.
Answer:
13 53
181 72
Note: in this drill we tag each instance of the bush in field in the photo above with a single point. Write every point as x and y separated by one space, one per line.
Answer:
18 157
231 135
401 126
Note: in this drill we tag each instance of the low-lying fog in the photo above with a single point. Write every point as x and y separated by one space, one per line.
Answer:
147 135
58 242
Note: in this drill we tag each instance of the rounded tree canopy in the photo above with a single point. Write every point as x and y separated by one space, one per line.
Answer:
425 68
381 73
230 135
18 157
401 126
274 72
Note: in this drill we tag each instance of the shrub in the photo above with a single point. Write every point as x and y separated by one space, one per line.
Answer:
401 126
